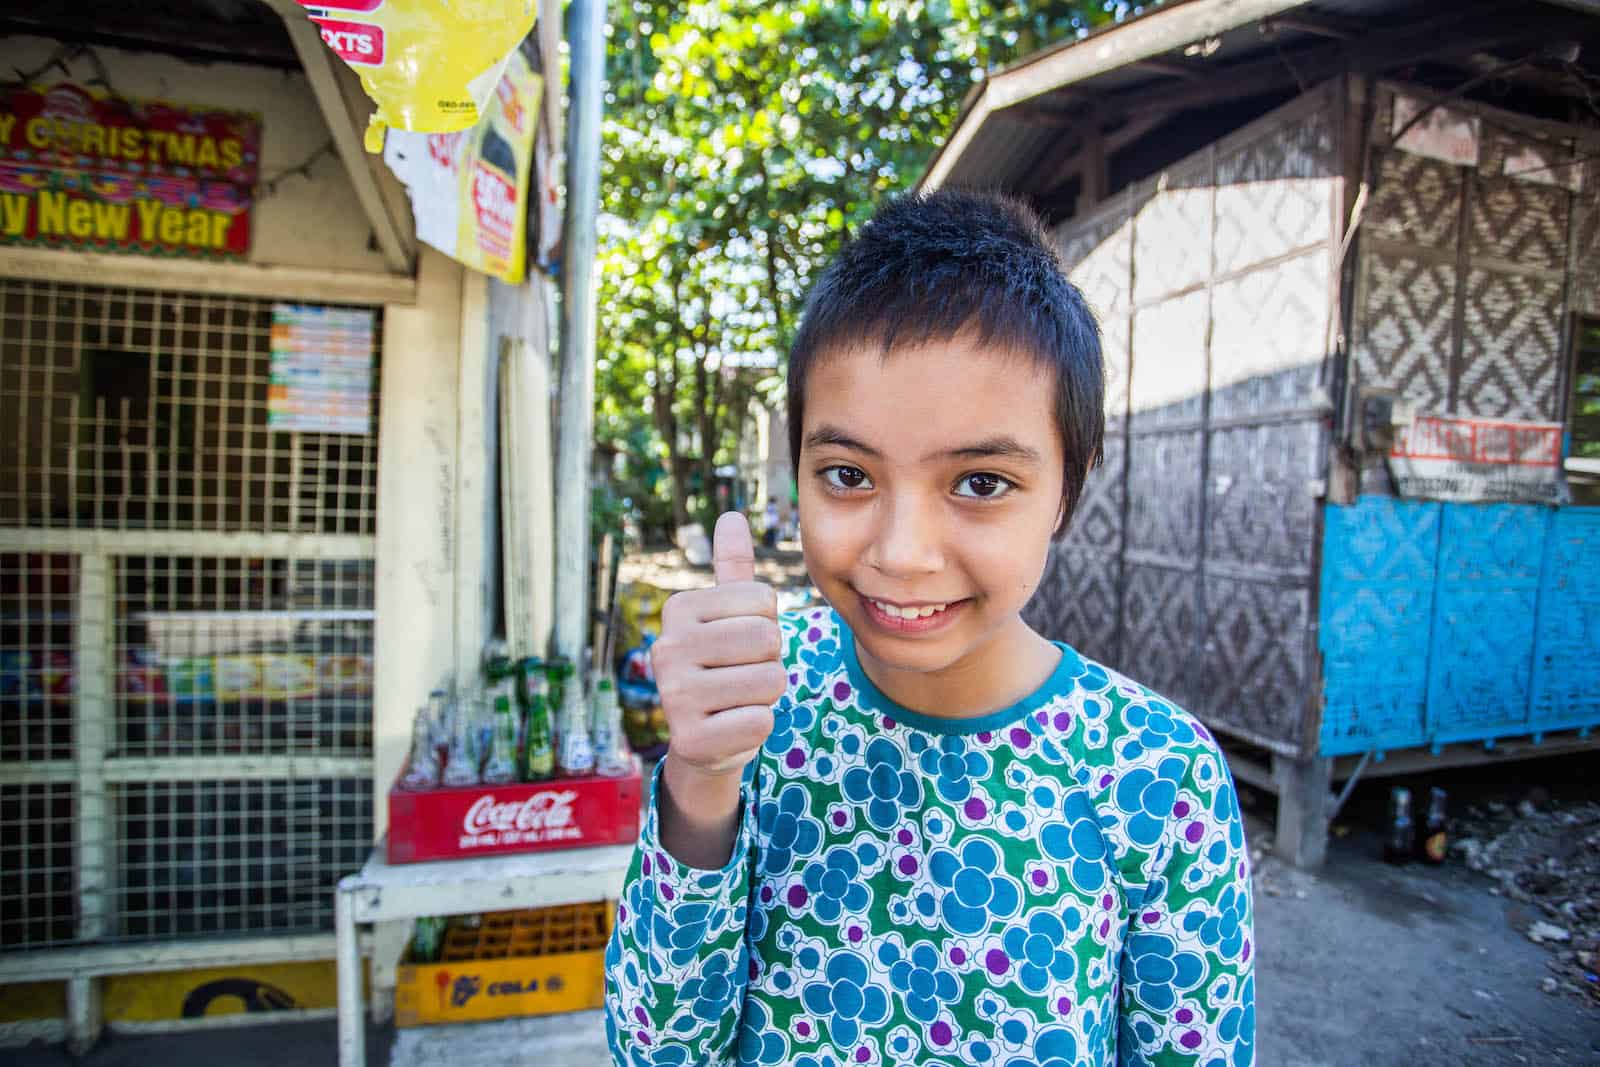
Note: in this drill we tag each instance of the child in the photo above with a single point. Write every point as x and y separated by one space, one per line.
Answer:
907 829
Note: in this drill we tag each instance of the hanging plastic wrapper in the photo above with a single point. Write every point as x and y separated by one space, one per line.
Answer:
430 67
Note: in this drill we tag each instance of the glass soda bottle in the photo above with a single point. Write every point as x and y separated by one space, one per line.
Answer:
576 755
462 766
1400 832
612 758
539 757
502 763
422 772
1435 838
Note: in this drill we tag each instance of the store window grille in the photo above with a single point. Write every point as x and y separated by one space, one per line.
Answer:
37 902
37 594
235 857
227 656
121 409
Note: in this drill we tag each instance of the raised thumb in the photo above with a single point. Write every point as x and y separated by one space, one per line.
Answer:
733 554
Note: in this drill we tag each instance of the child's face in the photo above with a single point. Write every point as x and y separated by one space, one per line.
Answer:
930 477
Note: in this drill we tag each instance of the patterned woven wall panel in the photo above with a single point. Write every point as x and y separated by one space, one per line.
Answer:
1566 674
1076 602
1269 329
1169 360
1099 262
1404 336
1515 219
1586 268
1114 352
1253 670
1160 627
1172 233
1097 522
1259 508
1512 346
1276 194
1416 200
1164 497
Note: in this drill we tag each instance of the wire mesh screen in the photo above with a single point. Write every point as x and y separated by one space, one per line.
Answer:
125 409
37 592
199 858
243 656
37 828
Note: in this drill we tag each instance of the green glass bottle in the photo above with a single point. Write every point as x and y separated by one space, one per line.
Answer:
539 753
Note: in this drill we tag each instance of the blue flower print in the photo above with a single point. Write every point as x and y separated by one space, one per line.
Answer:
847 999
1078 842
883 785
759 1040
787 830
1148 797
686 930
1043 948
1156 970
974 891
918 976
836 884
710 993
1238 1026
818 659
788 721
1156 726
1225 810
1222 929
953 765
1054 1047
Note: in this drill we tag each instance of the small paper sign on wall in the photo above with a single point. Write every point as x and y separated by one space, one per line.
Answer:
1477 460
321 369
1441 133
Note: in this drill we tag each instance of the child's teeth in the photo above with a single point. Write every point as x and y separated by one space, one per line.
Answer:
896 612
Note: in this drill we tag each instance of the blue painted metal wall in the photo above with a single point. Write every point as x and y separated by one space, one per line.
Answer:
1457 622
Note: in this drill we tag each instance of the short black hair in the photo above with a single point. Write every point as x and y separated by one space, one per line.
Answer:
931 265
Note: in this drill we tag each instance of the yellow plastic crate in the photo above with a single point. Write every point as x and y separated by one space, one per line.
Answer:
515 963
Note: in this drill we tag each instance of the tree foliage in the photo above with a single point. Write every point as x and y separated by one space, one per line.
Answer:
743 141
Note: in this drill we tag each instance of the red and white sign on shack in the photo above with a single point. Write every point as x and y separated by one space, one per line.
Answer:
91 172
1439 457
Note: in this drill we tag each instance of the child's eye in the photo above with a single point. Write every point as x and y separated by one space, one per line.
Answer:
846 478
983 486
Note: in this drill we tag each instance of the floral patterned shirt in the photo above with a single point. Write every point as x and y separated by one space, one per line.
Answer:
1061 882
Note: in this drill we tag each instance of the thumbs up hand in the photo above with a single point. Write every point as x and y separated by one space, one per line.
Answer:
718 664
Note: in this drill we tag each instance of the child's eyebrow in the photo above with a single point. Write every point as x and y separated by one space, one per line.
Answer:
826 435
1000 445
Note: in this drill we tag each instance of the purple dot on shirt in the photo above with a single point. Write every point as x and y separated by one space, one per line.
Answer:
1180 809
1105 927
797 896
638 1013
622 913
666 892
854 935
813 634
958 955
1021 738
1063 720
794 677
975 808
663 864
1064 1006
863 1054
908 865
1245 958
1202 731
1189 1039
1151 916
841 691
1185 1015
766 894
940 1033
1106 901
888 723
904 836
1105 780
1040 878
984 737
644 866
795 759
839 818
1194 832
804 1028
997 962
643 1036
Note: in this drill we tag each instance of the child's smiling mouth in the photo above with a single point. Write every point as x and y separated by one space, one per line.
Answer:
917 618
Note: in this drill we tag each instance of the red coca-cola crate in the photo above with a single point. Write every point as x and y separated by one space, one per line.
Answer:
465 822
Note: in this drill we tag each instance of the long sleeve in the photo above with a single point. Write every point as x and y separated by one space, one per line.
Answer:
677 963
1188 963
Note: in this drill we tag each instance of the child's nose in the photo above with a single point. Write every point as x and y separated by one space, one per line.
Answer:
907 544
